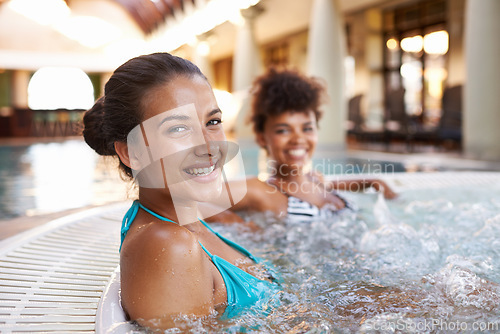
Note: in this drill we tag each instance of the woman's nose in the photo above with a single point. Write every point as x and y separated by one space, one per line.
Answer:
210 148
298 137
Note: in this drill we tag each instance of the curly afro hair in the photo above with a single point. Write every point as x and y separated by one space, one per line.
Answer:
277 92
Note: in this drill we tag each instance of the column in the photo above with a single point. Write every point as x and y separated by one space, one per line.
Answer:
481 119
326 50
247 65
374 53
21 117
201 56
104 79
456 52
20 82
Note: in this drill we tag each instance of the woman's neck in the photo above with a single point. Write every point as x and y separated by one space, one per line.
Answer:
160 202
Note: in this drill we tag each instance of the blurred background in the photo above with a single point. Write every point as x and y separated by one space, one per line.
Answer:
413 83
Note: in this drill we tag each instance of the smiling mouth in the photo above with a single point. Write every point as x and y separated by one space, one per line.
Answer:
200 171
203 168
297 152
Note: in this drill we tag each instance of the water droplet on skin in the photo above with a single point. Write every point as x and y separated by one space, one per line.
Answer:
190 251
163 249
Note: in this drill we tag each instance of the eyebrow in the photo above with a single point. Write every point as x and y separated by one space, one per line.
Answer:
288 125
176 117
181 117
213 112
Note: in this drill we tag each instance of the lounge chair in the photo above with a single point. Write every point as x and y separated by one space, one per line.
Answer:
356 125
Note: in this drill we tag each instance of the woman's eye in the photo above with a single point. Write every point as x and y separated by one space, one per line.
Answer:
282 131
214 122
177 129
308 129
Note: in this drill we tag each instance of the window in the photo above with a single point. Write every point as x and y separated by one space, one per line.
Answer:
60 88
277 55
416 44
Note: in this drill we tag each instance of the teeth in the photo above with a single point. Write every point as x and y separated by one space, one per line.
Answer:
200 171
298 152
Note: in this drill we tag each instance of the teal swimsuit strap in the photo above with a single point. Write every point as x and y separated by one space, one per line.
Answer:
206 250
230 243
155 214
134 209
130 216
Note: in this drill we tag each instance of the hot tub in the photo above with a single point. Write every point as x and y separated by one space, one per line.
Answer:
427 261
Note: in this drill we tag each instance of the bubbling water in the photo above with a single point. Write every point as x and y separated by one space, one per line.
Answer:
424 262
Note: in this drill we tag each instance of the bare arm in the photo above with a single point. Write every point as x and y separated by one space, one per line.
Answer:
214 212
362 184
259 197
164 274
355 184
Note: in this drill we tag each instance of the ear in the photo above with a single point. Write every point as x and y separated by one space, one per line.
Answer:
121 149
261 140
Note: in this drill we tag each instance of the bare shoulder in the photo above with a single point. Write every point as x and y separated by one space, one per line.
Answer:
263 196
166 238
259 191
164 272
254 184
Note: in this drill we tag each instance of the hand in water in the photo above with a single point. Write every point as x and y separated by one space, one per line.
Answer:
381 186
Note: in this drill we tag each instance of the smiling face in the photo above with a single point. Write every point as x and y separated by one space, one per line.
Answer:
290 139
181 144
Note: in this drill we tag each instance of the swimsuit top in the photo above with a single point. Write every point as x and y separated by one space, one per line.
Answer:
300 210
243 290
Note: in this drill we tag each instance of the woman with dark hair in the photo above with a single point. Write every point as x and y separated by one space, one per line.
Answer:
285 116
160 118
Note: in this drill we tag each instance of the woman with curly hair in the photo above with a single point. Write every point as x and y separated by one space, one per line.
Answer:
285 115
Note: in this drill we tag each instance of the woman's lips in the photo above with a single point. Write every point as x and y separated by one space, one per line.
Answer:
297 153
200 171
205 177
205 172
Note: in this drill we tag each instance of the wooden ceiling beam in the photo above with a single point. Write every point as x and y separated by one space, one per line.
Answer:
150 14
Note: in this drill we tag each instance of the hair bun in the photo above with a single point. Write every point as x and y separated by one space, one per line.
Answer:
93 129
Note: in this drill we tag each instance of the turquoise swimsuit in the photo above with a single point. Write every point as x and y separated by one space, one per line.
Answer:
243 289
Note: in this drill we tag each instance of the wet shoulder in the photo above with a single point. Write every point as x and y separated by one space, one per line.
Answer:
161 238
165 272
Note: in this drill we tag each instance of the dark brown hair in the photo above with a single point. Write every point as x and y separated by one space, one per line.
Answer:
277 92
116 113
